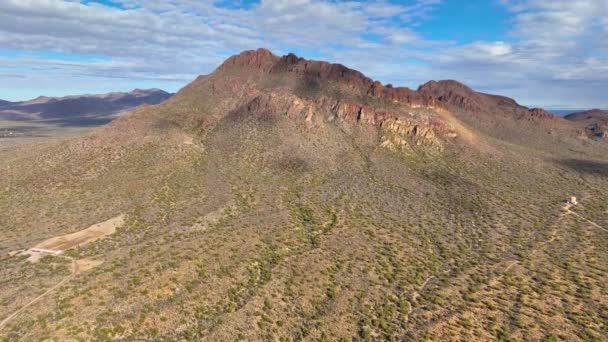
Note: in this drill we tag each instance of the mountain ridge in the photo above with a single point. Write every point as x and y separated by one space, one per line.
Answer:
440 93
326 91
587 114
455 94
81 109
265 61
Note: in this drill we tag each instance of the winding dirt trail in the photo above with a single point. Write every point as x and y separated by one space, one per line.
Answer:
587 220
64 242
33 301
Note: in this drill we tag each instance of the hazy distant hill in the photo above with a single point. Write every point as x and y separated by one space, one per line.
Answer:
80 110
592 114
563 112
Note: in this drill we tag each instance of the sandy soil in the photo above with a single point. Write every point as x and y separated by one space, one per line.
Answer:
94 232
188 140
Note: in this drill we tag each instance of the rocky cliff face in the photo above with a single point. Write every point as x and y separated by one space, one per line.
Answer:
264 61
398 128
433 95
403 117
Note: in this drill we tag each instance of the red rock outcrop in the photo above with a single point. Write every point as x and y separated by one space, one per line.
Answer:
402 128
391 110
457 95
263 60
260 59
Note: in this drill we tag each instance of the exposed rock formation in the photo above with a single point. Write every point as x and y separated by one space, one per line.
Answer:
263 60
316 93
595 122
260 59
316 112
459 96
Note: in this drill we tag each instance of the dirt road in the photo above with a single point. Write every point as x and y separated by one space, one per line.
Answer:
33 301
588 221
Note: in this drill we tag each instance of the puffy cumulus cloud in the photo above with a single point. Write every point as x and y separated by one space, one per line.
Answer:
556 55
140 28
556 51
166 39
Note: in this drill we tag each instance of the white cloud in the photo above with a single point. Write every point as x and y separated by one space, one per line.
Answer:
560 45
178 36
556 55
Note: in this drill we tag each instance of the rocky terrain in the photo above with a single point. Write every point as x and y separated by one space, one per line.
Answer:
457 95
595 122
279 198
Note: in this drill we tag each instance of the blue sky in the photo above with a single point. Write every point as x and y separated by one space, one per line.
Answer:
551 53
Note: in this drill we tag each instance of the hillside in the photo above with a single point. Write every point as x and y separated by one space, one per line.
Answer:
280 198
594 122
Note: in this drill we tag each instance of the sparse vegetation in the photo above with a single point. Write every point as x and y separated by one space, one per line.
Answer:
267 229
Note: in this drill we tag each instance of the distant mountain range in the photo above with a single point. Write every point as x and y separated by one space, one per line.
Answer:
564 112
593 114
80 110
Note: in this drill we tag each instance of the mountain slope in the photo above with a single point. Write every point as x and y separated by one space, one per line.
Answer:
595 122
502 118
80 109
279 198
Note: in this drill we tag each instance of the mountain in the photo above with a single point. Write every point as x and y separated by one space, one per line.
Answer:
279 198
4 103
457 95
80 110
595 122
592 114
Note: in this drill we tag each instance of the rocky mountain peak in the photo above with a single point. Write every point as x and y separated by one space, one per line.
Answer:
261 59
321 71
453 93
